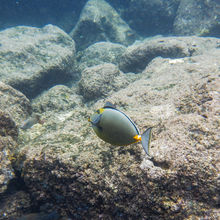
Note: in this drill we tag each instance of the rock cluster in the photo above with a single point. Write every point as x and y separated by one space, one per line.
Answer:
100 80
60 166
137 57
101 19
65 165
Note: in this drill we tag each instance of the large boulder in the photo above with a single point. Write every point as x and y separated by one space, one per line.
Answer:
138 56
198 18
14 103
100 22
14 109
100 80
56 99
146 17
33 59
66 166
99 53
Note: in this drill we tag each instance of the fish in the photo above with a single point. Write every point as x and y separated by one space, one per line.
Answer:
116 128
34 119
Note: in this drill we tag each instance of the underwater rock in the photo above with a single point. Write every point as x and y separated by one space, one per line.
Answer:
198 18
136 57
33 59
7 126
99 53
67 166
14 204
146 17
7 145
98 81
14 103
58 98
8 137
100 22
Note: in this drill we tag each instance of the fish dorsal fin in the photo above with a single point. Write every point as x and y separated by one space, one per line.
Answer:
109 105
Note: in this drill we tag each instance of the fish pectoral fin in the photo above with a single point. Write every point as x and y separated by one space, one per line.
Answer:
96 121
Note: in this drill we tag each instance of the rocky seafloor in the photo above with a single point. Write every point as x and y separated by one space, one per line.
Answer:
60 166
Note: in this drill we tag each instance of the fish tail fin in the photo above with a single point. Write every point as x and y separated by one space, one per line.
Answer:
145 140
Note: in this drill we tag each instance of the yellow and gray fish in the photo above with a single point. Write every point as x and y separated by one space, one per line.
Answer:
116 128
34 119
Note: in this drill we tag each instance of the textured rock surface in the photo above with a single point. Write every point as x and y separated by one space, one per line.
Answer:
99 53
14 108
58 98
100 22
136 58
101 80
68 167
7 126
33 59
6 170
8 136
198 18
14 204
14 103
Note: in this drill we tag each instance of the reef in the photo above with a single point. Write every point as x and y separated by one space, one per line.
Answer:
59 167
